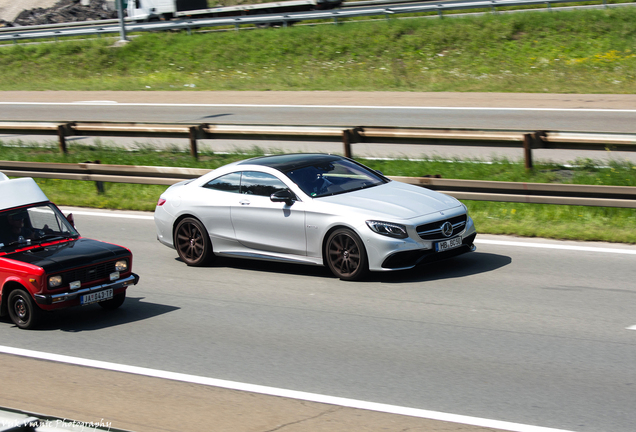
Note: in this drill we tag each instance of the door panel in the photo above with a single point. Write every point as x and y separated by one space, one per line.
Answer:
264 225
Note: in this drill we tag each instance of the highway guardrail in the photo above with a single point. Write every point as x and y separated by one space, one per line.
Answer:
536 193
525 140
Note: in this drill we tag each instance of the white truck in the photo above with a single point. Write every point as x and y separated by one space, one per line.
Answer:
155 10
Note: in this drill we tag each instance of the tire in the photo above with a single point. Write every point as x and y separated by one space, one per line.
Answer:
23 311
192 243
345 255
115 302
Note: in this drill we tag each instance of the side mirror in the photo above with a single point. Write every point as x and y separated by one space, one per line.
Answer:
71 219
284 195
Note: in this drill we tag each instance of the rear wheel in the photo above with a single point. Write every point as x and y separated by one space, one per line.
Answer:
115 302
192 243
23 311
345 254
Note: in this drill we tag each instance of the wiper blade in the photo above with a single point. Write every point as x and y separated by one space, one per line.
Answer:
14 243
55 236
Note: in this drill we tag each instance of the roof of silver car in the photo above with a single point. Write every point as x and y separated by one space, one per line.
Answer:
287 162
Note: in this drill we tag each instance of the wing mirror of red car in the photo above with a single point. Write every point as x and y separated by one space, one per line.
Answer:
284 195
71 219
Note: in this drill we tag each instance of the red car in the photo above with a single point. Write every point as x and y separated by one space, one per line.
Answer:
44 262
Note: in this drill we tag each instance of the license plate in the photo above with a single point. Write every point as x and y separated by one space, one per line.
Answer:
448 244
98 296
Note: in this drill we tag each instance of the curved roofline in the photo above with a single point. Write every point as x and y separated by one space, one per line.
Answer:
287 162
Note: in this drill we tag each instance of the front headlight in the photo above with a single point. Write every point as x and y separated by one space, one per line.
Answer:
121 265
388 229
55 281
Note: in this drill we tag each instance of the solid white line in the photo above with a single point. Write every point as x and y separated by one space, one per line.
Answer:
272 391
111 103
557 246
631 327
110 215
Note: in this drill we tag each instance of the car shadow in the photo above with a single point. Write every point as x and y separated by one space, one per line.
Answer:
269 266
94 317
456 267
452 268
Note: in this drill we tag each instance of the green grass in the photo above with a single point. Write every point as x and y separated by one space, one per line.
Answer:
529 220
590 51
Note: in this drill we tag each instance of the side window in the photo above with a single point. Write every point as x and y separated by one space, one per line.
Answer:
44 218
258 183
227 183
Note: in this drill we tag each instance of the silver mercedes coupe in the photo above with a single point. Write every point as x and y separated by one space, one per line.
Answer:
316 209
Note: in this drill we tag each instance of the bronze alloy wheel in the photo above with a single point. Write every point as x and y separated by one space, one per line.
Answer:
192 242
346 256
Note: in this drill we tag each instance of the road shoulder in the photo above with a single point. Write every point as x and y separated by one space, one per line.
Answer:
140 403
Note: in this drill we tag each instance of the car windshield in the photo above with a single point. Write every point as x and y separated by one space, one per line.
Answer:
32 225
334 177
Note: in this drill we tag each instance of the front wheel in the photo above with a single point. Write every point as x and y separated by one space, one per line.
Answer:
22 310
345 254
115 302
193 243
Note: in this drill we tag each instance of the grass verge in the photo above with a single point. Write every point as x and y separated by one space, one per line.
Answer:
589 51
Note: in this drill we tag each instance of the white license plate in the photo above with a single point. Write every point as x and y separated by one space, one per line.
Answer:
448 244
98 296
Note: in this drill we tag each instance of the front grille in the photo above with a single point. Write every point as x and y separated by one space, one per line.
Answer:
433 230
88 275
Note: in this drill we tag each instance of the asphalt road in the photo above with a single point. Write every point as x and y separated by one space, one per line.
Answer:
598 113
524 333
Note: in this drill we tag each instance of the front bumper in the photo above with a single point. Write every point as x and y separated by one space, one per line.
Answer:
412 258
44 299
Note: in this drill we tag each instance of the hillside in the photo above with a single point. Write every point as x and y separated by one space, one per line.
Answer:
589 51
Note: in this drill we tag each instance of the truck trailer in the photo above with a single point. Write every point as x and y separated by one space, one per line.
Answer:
160 10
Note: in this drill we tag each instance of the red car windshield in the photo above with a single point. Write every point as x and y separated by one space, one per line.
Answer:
32 225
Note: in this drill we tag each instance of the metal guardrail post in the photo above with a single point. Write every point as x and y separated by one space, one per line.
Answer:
193 142
98 184
61 134
350 136
527 150
347 139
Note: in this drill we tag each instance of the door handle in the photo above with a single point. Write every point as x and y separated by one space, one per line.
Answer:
244 202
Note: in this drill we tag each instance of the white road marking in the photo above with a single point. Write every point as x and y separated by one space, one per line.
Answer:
631 327
557 246
109 215
102 103
273 391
